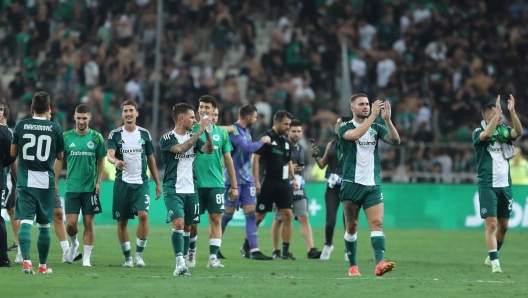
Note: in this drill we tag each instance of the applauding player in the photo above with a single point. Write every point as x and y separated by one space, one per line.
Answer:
178 151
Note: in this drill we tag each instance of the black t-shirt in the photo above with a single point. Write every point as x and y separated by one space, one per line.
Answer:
274 159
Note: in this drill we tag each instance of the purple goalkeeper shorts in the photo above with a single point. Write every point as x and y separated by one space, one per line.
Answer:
247 195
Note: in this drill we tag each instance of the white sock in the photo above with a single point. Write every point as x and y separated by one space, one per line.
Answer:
19 250
65 246
42 265
74 241
87 253
212 257
495 262
28 261
180 261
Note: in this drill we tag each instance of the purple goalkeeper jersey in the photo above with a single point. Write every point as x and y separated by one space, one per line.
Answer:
243 148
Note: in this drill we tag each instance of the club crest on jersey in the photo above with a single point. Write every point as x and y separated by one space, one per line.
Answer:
372 132
90 144
141 141
216 138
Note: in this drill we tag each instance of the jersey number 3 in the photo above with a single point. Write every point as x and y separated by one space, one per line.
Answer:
43 147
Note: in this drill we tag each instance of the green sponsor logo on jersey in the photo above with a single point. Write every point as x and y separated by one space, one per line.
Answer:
141 141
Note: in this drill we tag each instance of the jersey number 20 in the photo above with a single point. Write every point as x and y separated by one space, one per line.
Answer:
43 150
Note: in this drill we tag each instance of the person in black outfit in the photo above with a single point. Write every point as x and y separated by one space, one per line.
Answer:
274 162
7 159
333 174
300 199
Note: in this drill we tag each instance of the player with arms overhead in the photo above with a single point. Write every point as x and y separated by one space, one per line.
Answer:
361 184
37 142
493 148
85 153
130 150
211 185
243 148
178 152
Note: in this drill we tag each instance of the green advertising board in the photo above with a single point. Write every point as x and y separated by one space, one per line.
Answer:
407 206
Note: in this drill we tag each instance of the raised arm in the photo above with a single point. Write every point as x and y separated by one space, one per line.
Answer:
358 132
247 146
185 146
517 126
392 138
208 147
229 129
321 162
488 132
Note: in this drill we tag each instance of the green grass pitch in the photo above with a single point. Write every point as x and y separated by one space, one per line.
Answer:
428 264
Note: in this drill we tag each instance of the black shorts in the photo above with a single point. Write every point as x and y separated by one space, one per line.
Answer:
10 192
282 197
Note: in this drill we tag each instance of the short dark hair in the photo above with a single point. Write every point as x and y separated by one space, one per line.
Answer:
129 102
41 102
246 110
180 108
7 111
82 109
356 96
208 99
295 122
487 108
280 115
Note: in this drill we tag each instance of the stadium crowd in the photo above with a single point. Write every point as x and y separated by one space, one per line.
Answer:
437 62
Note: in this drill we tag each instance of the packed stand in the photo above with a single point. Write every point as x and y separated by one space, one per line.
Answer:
437 62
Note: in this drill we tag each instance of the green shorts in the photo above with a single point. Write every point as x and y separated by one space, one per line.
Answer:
211 199
361 195
495 201
129 199
184 206
87 202
35 202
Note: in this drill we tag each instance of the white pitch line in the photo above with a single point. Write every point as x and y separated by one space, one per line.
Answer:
319 278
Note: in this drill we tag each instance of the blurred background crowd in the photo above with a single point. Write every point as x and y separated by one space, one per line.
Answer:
437 62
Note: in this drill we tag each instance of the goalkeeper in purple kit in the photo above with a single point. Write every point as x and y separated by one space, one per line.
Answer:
241 154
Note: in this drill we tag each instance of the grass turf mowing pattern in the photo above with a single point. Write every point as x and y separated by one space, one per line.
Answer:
428 263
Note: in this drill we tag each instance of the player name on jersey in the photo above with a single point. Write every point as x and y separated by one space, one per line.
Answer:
38 127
